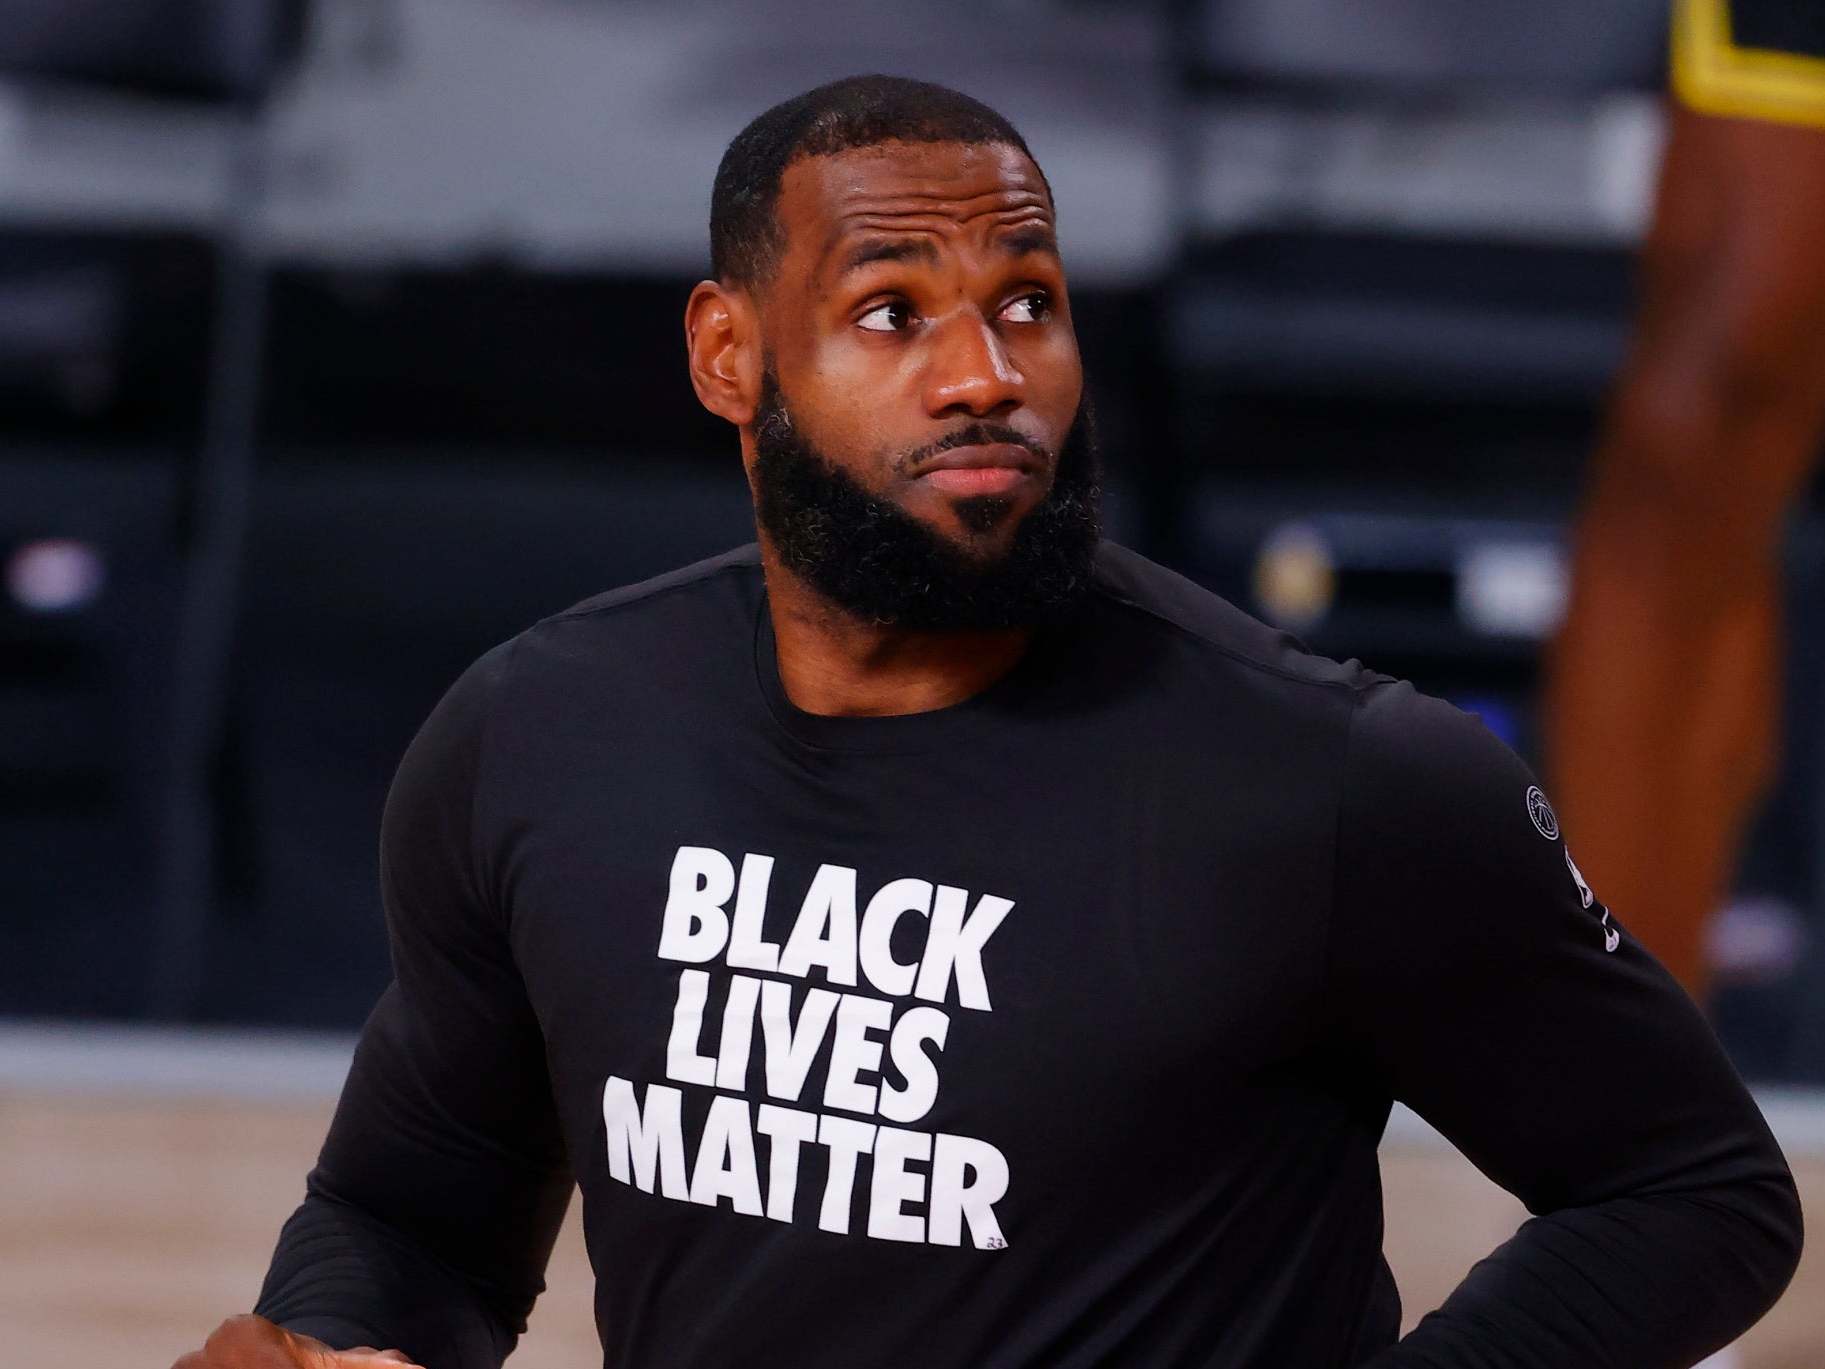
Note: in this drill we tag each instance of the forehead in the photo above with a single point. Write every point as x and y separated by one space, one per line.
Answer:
912 187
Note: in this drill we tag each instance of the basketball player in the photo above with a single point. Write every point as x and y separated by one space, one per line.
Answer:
935 937
1663 699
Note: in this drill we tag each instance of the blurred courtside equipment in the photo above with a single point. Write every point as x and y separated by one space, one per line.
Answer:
151 661
1403 286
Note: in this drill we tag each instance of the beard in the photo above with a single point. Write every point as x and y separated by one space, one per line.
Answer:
871 558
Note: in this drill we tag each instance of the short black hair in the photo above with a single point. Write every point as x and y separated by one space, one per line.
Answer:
857 111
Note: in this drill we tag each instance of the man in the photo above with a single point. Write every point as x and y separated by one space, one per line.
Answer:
1663 703
934 938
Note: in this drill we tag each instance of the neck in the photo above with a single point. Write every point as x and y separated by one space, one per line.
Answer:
834 664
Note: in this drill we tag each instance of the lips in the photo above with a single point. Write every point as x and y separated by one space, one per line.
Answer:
988 455
989 468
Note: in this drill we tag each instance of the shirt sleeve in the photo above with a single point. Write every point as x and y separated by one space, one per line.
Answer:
1475 977
429 1218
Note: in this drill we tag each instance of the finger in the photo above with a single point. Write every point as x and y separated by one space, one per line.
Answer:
250 1342
317 1355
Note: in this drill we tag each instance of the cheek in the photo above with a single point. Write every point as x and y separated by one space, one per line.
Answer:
862 396
860 373
1054 372
847 425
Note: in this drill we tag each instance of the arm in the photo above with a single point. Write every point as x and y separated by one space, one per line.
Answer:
432 1210
1471 981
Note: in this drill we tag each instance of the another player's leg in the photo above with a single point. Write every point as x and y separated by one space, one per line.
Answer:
1662 696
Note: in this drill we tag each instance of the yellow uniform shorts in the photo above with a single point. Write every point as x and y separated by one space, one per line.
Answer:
1751 59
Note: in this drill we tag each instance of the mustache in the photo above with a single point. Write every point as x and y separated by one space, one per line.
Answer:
978 435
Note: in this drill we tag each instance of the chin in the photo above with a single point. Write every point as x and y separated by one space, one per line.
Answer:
982 528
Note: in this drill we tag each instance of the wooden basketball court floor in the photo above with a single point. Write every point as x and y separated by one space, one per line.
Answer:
146 1174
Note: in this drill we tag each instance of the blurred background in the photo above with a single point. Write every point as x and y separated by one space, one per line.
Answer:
340 339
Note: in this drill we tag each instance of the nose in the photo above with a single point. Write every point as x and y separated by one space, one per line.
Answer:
970 371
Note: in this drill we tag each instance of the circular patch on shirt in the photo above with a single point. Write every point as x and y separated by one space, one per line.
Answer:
1542 813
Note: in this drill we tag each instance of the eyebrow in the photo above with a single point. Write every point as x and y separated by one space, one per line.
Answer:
1034 238
871 250
1021 242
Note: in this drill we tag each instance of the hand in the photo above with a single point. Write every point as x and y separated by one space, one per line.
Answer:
250 1342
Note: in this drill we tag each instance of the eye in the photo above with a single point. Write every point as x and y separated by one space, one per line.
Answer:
891 317
1033 307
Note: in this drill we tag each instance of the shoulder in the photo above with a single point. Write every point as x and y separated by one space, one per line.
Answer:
671 620
1208 625
1399 745
1434 804
654 635
676 590
1424 751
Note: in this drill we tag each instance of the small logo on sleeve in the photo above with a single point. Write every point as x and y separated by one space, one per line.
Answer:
1545 820
1584 890
1611 937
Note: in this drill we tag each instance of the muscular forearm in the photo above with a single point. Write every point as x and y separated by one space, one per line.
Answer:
1636 1282
342 1277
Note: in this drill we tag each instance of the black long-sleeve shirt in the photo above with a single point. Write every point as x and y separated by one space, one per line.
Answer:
1057 1028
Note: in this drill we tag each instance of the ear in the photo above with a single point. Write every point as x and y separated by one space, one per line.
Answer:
722 338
